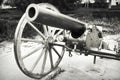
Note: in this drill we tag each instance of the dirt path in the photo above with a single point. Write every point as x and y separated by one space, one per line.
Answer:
82 68
8 67
76 67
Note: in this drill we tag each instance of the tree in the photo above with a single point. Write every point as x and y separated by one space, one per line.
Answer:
61 4
9 2
87 2
22 4
1 2
100 3
71 4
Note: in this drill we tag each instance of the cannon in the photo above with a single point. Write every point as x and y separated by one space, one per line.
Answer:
55 32
50 17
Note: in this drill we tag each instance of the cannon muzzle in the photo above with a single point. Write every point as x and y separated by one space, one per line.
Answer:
51 17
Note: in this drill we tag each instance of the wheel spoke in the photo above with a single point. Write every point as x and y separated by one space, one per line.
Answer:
53 31
38 59
51 58
58 33
41 34
62 44
44 62
31 40
49 30
32 52
45 29
56 52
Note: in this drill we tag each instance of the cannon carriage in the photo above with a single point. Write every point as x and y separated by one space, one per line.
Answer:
56 33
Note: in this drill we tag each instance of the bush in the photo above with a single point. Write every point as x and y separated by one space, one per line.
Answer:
7 29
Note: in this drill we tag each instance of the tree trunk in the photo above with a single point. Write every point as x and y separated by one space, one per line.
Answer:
109 4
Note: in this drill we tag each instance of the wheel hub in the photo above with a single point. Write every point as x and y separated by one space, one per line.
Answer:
48 41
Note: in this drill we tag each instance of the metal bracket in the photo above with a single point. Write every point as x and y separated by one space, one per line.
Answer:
94 61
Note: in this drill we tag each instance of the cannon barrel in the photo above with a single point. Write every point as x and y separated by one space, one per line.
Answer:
47 16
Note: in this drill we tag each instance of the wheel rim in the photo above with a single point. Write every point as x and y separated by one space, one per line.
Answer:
37 56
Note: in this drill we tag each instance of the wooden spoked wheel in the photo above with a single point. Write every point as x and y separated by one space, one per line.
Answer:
41 53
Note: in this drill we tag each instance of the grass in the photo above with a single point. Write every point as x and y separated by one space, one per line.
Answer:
112 24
